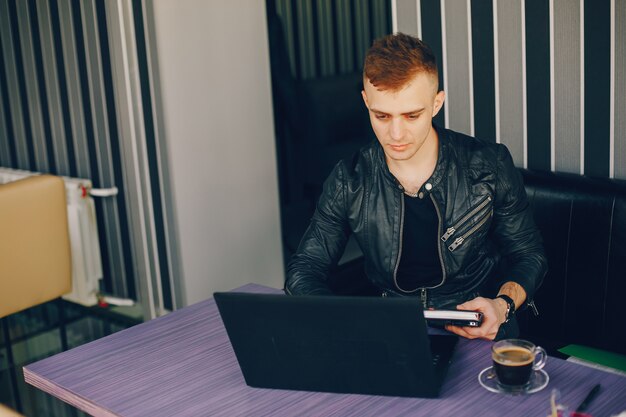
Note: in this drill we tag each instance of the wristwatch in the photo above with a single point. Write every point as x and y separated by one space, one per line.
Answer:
510 306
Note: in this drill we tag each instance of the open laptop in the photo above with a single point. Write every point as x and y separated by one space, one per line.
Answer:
361 345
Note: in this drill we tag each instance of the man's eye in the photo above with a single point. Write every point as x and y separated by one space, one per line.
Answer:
412 116
381 116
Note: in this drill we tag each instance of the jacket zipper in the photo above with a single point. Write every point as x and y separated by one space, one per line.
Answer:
395 270
533 307
459 240
451 230
443 268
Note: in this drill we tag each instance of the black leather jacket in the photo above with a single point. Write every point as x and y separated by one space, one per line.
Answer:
484 222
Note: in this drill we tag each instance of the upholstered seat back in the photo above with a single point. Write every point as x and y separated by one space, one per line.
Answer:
583 224
35 262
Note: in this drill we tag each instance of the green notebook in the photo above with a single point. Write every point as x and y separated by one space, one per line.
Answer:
601 357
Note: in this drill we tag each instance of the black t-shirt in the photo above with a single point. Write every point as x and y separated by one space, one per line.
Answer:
419 259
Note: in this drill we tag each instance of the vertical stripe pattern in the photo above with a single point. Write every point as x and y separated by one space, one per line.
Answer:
58 115
14 99
432 35
546 77
619 86
537 29
326 38
597 83
7 154
483 69
68 107
30 46
53 89
407 17
458 66
567 91
510 83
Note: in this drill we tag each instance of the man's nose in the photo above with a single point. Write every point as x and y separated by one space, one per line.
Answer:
396 129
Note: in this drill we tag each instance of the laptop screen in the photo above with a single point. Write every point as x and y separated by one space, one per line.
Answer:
363 345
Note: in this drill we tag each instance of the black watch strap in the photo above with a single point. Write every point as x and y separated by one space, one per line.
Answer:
510 309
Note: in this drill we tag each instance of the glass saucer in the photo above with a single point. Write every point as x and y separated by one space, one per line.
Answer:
488 379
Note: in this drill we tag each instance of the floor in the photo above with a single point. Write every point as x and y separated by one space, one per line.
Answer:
37 333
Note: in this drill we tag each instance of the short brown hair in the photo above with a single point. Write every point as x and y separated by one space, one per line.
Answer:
393 60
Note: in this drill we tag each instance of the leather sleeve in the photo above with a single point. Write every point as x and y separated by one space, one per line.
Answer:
514 229
323 242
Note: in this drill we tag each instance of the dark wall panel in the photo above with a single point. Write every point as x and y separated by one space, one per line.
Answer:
538 83
431 34
482 59
329 37
597 86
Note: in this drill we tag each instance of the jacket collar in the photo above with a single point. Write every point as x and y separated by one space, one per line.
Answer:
440 169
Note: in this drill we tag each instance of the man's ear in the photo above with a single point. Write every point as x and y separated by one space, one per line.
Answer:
364 98
439 99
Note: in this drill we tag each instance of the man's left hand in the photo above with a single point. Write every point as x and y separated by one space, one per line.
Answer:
494 314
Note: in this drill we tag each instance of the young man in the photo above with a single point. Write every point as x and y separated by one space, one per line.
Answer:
437 214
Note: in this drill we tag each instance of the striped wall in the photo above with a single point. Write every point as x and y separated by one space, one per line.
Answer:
328 37
78 98
541 76
73 85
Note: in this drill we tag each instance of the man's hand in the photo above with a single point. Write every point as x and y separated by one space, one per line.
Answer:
494 314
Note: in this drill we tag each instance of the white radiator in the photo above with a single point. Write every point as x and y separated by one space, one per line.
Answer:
83 229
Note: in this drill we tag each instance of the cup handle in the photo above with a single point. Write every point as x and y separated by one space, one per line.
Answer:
540 358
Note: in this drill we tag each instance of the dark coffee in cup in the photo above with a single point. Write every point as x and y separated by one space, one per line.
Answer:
514 361
513 365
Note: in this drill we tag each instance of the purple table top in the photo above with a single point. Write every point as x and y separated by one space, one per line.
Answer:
182 364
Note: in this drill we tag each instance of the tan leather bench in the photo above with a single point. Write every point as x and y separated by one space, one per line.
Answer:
35 257
35 260
7 412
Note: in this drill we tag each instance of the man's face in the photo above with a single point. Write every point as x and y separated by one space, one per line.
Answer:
402 120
